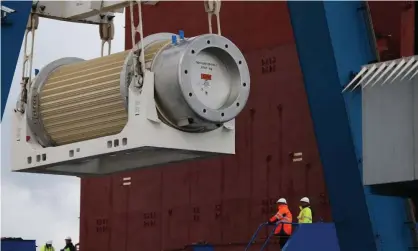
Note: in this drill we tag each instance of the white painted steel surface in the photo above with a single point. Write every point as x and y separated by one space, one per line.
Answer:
390 121
146 140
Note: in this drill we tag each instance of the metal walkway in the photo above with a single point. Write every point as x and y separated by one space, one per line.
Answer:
316 236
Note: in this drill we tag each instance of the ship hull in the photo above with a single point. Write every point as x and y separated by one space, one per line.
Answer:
220 201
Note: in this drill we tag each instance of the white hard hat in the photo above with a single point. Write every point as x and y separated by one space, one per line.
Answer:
68 238
49 242
305 199
282 200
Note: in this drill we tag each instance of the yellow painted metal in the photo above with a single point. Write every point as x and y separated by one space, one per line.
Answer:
83 101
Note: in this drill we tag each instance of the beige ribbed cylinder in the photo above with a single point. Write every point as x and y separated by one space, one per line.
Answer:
83 100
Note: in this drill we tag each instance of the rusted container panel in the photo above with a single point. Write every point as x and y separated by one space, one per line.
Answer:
393 23
236 170
259 112
235 227
95 213
119 216
223 200
408 23
296 135
258 22
205 200
144 210
176 210
387 32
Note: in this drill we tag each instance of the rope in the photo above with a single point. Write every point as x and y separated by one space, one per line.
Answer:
31 27
213 7
137 29
107 32
141 35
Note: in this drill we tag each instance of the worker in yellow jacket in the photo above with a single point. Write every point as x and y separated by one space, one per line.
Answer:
47 247
305 215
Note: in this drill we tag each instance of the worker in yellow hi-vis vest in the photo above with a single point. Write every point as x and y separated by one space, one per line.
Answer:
305 215
47 247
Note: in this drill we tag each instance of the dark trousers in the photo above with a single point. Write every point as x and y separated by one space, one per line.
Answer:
283 238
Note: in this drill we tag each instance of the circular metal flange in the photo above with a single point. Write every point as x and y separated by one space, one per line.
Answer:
126 78
127 69
214 77
33 115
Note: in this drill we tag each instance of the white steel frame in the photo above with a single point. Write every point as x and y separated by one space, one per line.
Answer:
145 141
93 12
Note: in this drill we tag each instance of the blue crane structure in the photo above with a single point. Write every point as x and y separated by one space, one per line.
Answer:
333 41
14 17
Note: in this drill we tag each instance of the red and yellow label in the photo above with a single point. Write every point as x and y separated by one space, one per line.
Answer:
206 76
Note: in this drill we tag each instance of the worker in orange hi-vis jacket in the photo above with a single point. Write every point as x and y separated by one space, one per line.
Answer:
283 215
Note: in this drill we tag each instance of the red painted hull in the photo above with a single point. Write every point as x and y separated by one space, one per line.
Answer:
221 200
393 24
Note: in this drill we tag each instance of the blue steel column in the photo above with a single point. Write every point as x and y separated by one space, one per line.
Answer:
12 33
332 41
